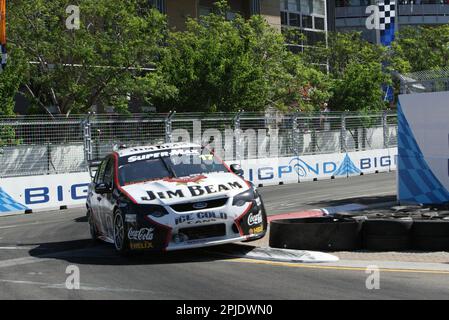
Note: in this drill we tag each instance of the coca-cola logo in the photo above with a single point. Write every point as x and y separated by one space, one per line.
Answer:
144 234
254 219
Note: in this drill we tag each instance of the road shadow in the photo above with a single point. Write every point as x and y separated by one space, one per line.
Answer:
81 219
359 200
99 253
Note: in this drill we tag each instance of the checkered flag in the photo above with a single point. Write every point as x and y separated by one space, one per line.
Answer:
387 13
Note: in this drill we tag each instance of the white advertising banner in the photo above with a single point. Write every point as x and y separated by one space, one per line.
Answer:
43 192
318 167
49 192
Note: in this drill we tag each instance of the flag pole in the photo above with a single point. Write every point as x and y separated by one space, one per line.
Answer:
377 29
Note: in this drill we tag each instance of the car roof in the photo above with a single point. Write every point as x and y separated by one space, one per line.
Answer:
166 146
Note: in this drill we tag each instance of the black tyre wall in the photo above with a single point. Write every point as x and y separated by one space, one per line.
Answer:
430 235
324 234
387 234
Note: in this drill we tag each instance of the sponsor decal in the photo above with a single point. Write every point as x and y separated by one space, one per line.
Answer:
130 218
144 234
255 219
141 245
193 191
201 217
46 195
186 180
160 154
256 230
312 168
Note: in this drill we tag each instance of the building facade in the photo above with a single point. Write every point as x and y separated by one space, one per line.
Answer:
178 11
351 14
310 17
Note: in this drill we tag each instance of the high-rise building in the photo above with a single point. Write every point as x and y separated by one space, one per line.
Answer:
179 10
309 17
351 14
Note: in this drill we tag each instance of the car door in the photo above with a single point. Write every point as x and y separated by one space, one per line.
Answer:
107 200
96 198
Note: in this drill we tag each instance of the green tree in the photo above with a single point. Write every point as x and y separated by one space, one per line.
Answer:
360 88
226 65
10 81
358 70
424 47
99 64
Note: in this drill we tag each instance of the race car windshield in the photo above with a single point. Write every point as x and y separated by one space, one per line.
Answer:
142 171
169 167
196 164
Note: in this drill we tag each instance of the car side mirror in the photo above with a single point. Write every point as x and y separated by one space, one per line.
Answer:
102 188
237 169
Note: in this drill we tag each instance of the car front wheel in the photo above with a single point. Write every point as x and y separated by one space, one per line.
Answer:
121 242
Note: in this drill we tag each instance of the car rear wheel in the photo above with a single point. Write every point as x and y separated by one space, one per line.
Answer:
121 242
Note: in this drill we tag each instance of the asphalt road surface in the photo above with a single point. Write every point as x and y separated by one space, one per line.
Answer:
35 251
327 193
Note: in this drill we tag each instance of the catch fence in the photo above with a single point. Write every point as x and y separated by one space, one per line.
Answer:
39 145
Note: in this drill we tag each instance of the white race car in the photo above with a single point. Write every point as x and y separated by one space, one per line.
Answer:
170 197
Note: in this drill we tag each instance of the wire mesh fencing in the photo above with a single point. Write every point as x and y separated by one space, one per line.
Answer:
40 145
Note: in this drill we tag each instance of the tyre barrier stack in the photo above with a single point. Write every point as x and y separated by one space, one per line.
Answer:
394 233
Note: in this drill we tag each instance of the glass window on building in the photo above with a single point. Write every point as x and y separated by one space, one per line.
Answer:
319 23
318 7
313 37
284 18
294 5
307 22
307 6
295 20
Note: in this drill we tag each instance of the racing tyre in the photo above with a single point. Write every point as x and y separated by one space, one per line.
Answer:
92 227
387 234
121 241
430 235
321 233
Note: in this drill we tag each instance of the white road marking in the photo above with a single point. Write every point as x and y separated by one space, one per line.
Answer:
17 248
21 261
46 285
32 224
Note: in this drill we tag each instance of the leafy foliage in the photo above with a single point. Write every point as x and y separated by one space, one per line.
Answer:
424 47
222 65
99 64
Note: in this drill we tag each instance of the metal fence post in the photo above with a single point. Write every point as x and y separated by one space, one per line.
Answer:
343 133
87 138
168 127
295 133
48 158
385 128
238 144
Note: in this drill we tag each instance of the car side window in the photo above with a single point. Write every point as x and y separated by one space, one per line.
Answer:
109 172
99 177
